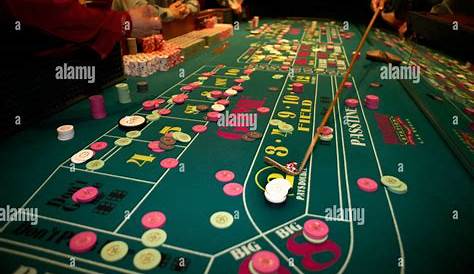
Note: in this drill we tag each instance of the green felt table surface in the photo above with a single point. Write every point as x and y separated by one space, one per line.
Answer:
426 230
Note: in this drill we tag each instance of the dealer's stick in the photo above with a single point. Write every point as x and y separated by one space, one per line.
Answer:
315 139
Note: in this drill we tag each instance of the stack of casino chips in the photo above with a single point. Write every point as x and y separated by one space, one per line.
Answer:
123 93
315 231
264 262
276 190
372 101
65 132
297 87
97 106
326 134
142 86
145 64
152 43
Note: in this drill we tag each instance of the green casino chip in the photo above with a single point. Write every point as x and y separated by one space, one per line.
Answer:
221 219
95 164
133 134
121 142
154 237
401 189
390 181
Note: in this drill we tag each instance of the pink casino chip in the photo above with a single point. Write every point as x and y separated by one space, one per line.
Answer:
86 194
233 189
263 110
155 146
348 84
169 163
216 94
223 102
237 88
351 102
199 128
154 219
225 176
98 146
265 262
239 80
83 242
367 184
315 229
164 111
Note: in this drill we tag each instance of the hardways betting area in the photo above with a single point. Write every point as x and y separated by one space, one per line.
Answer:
365 234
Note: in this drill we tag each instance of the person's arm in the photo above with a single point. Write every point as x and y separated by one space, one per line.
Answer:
70 21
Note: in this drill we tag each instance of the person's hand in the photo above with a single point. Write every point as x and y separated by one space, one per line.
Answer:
184 11
236 6
177 9
377 4
144 23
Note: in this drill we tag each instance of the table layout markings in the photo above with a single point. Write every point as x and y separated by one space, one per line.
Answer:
349 203
154 186
108 174
394 219
67 256
341 205
247 179
46 260
308 195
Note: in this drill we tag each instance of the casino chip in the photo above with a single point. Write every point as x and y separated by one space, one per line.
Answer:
153 117
83 242
164 111
401 189
254 134
82 156
315 231
132 122
276 190
390 181
153 219
85 195
199 128
224 176
98 146
65 132
168 140
95 164
142 86
154 237
375 84
275 122
147 259
221 219
202 108
169 163
247 138
285 128
263 110
218 107
367 184
133 134
114 251
181 137
326 138
233 189
264 262
122 142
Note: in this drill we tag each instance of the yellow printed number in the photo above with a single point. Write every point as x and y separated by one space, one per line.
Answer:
278 151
